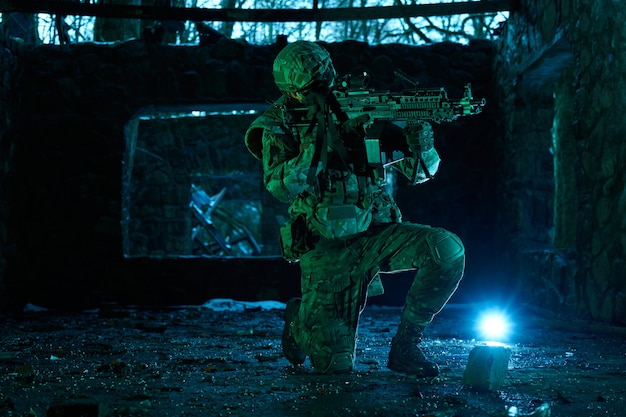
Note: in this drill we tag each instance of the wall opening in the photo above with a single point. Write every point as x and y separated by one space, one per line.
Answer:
191 188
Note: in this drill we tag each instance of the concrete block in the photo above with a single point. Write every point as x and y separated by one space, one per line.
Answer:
486 367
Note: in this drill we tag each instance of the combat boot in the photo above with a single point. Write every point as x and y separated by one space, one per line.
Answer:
407 357
291 350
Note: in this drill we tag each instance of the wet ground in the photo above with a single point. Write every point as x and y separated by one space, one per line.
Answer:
195 361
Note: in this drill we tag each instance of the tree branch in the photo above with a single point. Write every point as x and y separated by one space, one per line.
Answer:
251 15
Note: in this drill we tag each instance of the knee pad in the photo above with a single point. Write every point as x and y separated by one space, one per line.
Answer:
446 247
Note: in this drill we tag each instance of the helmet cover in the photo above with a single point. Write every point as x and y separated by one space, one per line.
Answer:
301 66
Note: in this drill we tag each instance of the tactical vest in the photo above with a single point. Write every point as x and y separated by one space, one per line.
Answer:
345 198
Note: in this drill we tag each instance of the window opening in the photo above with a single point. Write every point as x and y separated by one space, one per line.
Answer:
192 189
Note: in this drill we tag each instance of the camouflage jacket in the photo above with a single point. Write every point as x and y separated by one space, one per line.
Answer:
339 202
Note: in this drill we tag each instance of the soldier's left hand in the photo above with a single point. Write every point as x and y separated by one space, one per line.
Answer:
420 137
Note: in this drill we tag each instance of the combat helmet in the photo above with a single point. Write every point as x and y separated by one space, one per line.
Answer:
303 66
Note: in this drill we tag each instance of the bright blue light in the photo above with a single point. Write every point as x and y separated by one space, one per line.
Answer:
494 326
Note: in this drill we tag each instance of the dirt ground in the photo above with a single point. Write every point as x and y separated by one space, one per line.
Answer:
196 361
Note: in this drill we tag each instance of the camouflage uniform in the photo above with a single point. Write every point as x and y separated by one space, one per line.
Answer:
344 229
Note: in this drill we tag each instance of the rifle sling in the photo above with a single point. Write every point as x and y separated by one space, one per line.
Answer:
320 153
338 145
323 126
421 163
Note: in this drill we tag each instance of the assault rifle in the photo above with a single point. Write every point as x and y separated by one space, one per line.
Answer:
422 104
403 109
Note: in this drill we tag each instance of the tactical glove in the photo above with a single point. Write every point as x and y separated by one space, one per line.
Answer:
420 137
355 125
352 131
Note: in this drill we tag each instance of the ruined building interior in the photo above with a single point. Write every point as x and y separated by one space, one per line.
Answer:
140 271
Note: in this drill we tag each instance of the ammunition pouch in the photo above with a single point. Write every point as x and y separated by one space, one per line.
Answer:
344 209
295 238
340 220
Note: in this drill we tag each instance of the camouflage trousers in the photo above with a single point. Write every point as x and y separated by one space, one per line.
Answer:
336 275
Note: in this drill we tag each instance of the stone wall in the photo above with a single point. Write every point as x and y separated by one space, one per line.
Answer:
8 63
561 73
70 108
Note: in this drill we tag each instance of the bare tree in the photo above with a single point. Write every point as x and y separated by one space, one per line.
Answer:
409 30
21 26
111 30
190 34
227 27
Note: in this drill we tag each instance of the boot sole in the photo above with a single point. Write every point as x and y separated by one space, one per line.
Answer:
427 371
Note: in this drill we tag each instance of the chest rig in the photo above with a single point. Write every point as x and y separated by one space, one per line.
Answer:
346 177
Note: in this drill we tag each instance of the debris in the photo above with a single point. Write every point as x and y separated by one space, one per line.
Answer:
227 304
542 411
79 409
112 310
31 308
150 327
266 358
25 373
7 355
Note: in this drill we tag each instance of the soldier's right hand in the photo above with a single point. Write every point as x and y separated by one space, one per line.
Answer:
356 125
